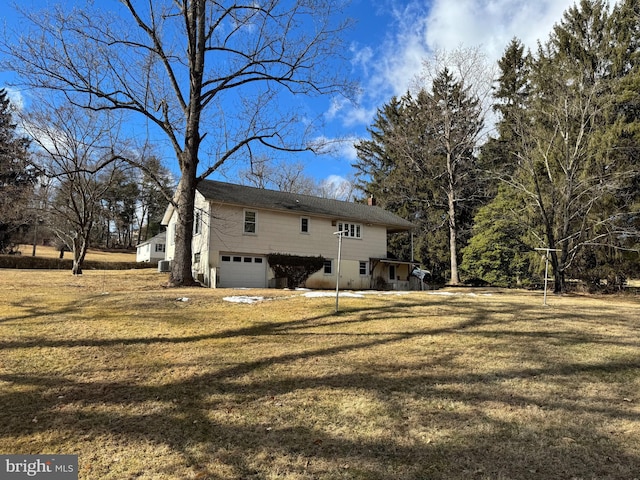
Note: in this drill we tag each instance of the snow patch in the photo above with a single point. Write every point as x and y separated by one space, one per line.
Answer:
385 292
243 299
332 294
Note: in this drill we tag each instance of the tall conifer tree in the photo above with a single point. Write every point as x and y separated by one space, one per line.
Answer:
17 177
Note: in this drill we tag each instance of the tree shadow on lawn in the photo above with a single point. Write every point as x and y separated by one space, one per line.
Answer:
284 327
257 423
35 308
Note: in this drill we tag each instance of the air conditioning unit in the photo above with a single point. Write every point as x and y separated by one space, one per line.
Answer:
164 266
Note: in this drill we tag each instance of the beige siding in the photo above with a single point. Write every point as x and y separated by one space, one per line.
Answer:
350 277
171 244
278 232
200 243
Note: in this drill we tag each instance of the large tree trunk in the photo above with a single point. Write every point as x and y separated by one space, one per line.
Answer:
453 239
558 274
181 274
80 247
451 199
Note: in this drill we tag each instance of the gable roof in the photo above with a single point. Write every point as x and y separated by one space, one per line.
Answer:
240 195
162 236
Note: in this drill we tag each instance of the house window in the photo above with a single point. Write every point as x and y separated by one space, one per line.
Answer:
196 257
226 258
351 230
237 259
197 222
304 225
159 247
250 220
328 267
363 268
392 272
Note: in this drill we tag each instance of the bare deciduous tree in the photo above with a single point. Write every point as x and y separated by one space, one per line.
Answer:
213 77
74 149
460 82
572 182
282 176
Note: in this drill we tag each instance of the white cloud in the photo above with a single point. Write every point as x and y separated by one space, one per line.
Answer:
361 56
418 29
336 147
16 98
492 23
347 150
337 105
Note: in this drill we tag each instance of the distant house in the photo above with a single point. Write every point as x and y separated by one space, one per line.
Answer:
236 227
153 250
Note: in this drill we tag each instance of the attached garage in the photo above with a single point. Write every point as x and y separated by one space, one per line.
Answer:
242 271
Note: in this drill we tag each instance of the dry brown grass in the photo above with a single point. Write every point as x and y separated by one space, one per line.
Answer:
92 254
112 367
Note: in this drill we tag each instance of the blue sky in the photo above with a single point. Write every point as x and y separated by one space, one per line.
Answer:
387 46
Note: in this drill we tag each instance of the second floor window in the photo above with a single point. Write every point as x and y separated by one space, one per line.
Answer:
197 222
351 230
304 225
250 220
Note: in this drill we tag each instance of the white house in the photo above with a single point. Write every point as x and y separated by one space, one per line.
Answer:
236 227
153 250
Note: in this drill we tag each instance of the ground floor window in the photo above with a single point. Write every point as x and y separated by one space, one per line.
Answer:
364 270
328 267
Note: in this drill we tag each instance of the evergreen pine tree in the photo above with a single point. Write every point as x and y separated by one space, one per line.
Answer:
17 178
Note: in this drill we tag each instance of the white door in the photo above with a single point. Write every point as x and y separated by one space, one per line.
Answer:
242 271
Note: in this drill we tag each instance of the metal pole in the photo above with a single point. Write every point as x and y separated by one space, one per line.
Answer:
546 278
411 246
546 269
338 269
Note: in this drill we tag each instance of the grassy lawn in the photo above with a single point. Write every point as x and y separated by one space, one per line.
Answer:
471 384
93 254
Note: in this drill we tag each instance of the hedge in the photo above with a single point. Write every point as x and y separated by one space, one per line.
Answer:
28 262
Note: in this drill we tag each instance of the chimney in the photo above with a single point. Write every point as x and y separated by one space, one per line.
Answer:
371 201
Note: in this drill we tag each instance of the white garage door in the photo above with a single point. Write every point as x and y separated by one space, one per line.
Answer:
242 271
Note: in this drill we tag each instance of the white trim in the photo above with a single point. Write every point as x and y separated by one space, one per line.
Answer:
308 219
244 222
350 229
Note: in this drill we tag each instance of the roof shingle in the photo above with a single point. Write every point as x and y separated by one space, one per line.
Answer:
240 195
